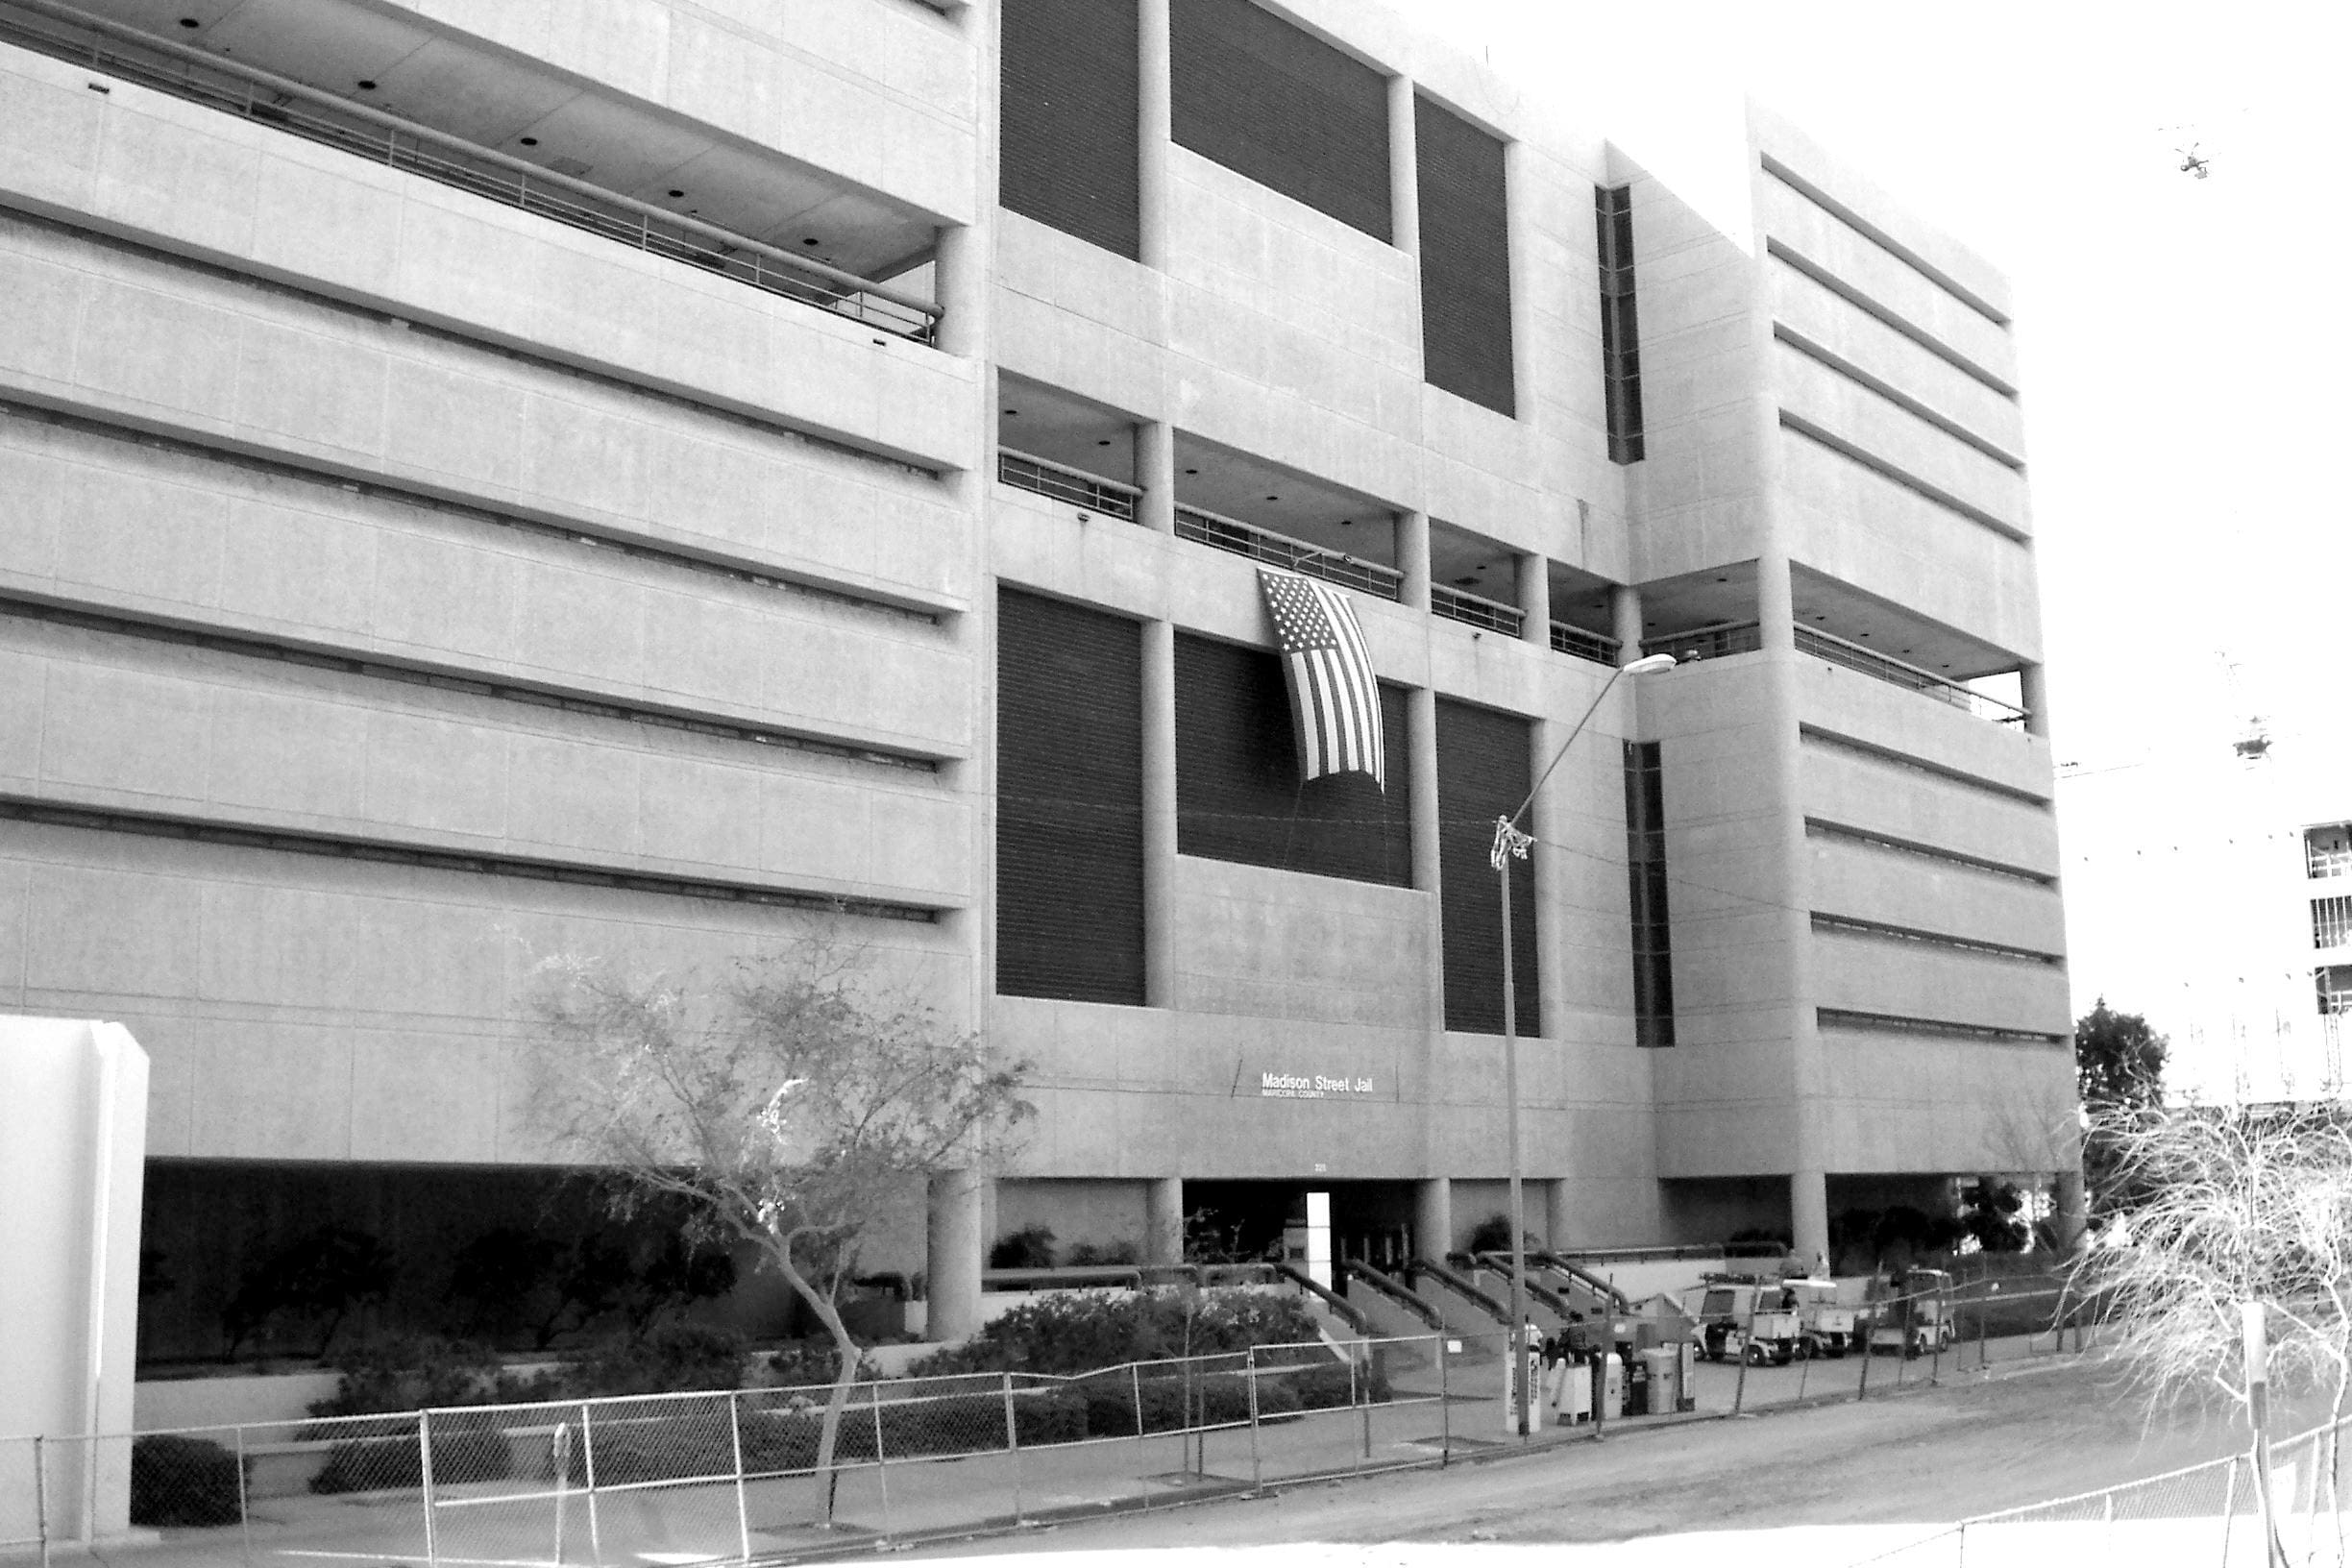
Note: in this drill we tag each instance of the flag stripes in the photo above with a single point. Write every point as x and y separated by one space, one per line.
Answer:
1334 697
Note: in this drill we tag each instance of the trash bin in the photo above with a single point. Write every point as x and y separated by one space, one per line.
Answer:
1572 1393
1662 1371
1611 1381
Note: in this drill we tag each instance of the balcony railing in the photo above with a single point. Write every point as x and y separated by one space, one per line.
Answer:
1578 644
1473 611
1708 641
284 104
1281 550
2328 862
1895 673
1075 485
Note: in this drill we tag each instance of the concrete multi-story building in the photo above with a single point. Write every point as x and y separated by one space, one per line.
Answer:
648 477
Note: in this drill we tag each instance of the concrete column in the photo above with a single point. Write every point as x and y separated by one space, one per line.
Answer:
1403 169
1412 554
1421 728
962 285
1534 574
1433 1218
2073 1217
2033 696
1158 813
1626 621
1809 1214
1547 818
1154 127
1163 1220
1776 601
1561 1228
954 1251
1405 198
1519 232
1155 462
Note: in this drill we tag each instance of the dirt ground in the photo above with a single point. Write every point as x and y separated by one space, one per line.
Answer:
1899 1465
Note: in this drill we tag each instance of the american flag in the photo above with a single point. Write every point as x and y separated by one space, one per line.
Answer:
1334 700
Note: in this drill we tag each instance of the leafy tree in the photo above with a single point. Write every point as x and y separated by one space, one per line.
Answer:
2119 1069
784 1107
1994 1211
1032 1246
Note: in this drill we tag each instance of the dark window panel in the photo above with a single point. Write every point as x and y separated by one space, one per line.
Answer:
1069 803
1466 259
1238 791
1278 104
1645 796
1620 333
1068 122
1483 773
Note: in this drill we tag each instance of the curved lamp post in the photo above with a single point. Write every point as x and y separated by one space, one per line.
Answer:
1510 841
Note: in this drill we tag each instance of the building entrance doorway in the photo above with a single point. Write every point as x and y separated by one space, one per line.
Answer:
1371 1222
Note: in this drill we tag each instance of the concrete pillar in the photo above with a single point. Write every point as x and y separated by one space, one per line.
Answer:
1155 460
1519 234
1535 582
2073 1217
1163 1220
1158 813
1561 1228
1404 196
1421 741
1433 1218
1413 554
1776 601
2033 696
1626 621
1809 1214
953 1254
1154 127
1548 819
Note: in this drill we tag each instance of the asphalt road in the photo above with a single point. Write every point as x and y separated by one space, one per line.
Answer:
1838 1479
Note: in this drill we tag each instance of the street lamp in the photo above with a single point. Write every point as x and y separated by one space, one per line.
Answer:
1509 842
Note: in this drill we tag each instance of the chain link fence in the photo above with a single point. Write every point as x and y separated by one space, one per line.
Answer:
765 1473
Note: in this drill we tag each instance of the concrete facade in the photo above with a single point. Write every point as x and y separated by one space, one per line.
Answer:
398 585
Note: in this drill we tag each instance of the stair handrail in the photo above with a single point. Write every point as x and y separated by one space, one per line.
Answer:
1500 1262
1618 1300
1344 1310
1461 1287
1429 1315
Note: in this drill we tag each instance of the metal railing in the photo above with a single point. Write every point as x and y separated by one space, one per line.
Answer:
1075 485
1471 610
287 105
1895 673
1708 641
1578 644
1281 550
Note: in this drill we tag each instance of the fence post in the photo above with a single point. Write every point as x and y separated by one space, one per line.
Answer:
1862 1388
1739 1389
244 1515
595 1529
743 1509
41 1496
425 1473
1984 1357
873 1402
1249 1373
1134 1384
1361 1392
1445 1404
560 1461
1012 1445
2229 1508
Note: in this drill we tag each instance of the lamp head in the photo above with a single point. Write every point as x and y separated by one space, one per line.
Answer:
1648 666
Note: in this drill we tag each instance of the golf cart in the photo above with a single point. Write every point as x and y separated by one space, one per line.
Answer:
1742 1319
1826 1327
1918 1319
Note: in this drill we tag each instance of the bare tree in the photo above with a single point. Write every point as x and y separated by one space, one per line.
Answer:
2235 1205
787 1104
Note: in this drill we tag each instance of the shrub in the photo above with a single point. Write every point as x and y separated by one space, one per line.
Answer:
461 1453
1032 1246
1083 1331
1105 1254
675 1358
391 1373
1492 1235
183 1481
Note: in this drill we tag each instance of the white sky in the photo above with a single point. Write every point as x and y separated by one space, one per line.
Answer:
2185 345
